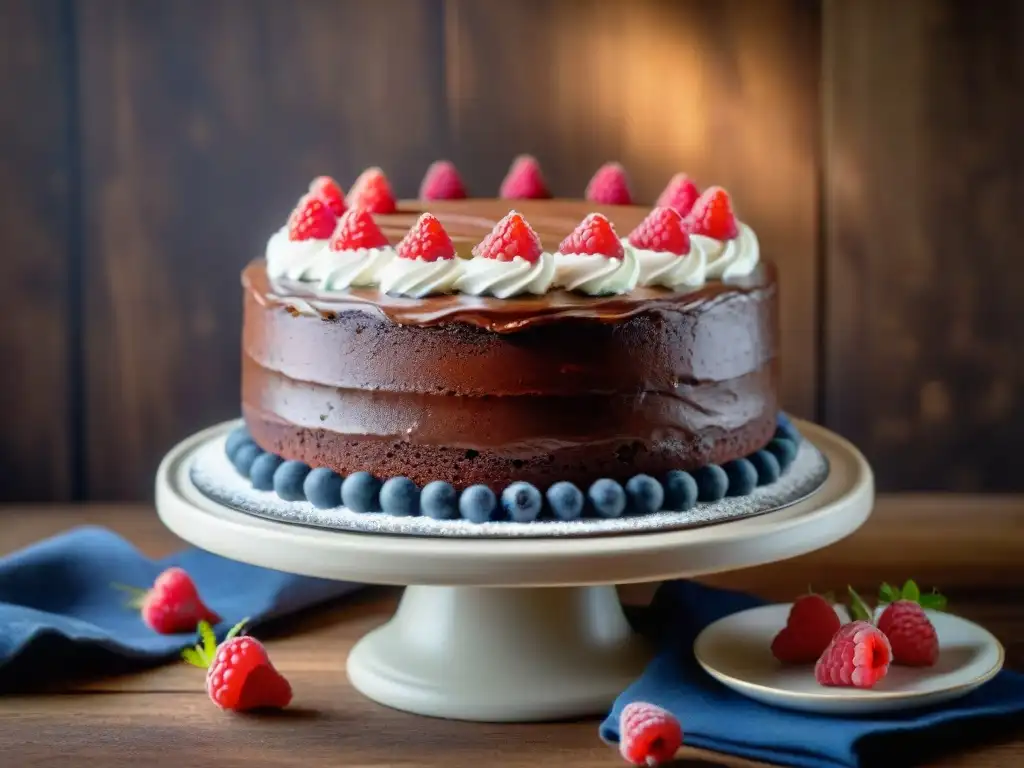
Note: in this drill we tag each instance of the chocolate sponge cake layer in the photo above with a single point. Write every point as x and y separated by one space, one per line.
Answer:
481 390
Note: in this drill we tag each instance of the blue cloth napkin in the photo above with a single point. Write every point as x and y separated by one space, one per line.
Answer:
60 616
715 718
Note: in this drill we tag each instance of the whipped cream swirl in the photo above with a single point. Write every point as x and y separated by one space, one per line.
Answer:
416 278
728 258
597 275
314 261
337 270
504 279
285 255
670 270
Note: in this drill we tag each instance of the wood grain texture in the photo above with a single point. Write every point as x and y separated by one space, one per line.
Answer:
203 122
924 182
159 717
155 717
36 180
726 91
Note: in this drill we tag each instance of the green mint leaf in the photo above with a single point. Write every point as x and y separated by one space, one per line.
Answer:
236 630
209 640
911 592
934 601
888 594
859 610
191 656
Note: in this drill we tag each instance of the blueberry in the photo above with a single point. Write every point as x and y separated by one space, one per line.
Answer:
680 490
712 483
244 456
288 480
566 500
645 495
767 467
238 437
607 498
784 428
439 500
323 488
742 477
784 450
522 502
400 497
360 492
262 471
477 503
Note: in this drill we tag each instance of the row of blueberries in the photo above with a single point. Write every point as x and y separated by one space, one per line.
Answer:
520 502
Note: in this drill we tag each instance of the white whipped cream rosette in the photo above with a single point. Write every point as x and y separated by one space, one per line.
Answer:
592 260
354 257
295 246
736 257
663 251
730 247
287 258
425 263
336 270
508 262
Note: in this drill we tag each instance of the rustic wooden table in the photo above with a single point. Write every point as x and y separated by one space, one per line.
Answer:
972 547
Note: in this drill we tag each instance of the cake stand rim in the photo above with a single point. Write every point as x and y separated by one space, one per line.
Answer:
833 512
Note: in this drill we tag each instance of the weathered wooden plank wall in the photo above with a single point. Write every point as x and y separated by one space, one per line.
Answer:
924 351
38 290
874 149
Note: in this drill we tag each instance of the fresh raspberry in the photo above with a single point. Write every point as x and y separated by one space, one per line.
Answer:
811 625
648 735
427 240
356 230
442 182
609 186
327 189
910 633
512 236
712 216
680 193
312 219
858 656
595 236
524 181
239 675
172 605
662 231
372 193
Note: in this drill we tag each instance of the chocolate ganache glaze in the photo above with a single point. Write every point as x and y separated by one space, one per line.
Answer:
484 390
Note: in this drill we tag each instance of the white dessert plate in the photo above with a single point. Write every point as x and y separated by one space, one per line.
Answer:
736 651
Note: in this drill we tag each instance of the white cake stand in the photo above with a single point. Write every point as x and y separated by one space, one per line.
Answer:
510 630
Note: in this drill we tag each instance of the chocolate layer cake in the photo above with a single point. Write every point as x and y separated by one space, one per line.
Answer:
541 388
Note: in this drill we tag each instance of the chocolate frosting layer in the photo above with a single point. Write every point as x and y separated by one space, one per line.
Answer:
489 390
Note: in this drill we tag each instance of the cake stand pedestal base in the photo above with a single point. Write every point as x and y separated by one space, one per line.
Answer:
500 654
510 629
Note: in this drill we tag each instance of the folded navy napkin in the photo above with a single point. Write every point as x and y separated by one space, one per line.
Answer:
61 616
714 717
